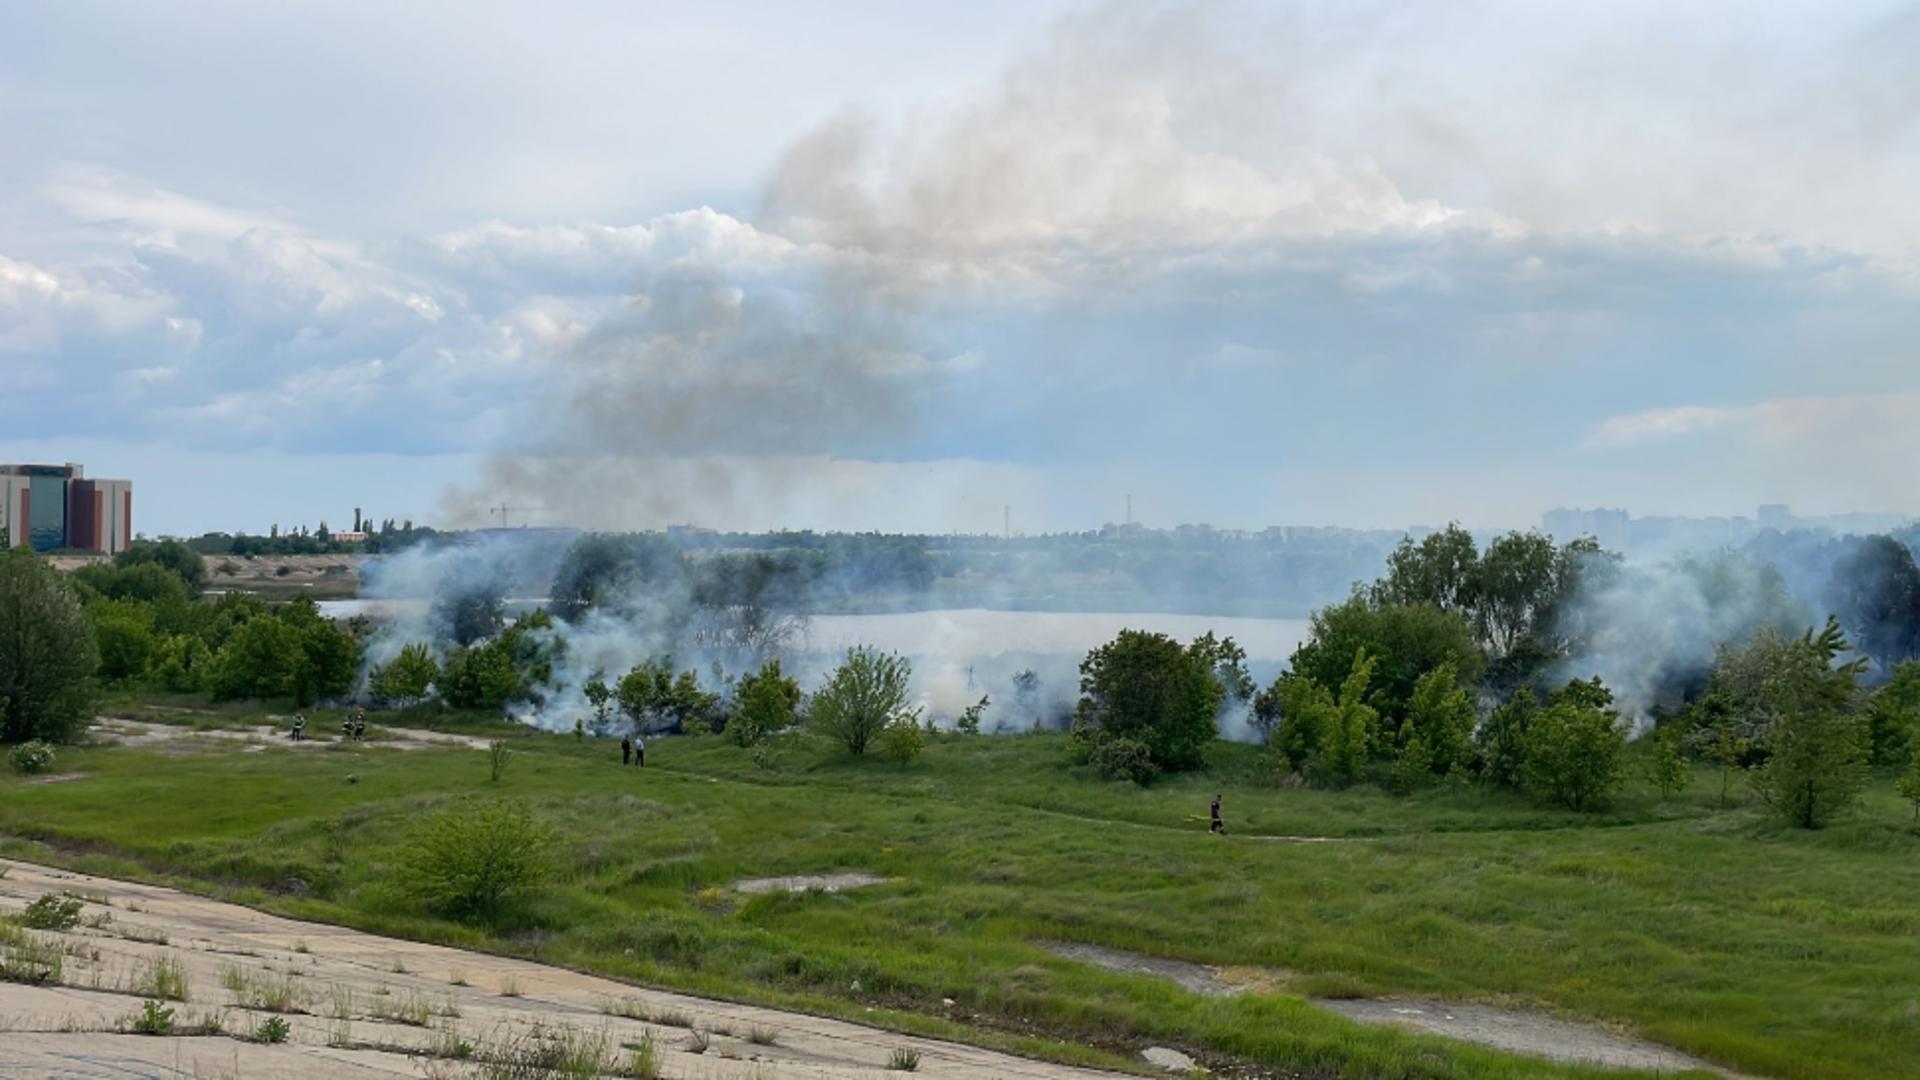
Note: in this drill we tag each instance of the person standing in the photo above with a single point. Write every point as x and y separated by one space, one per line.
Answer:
1217 825
639 750
626 750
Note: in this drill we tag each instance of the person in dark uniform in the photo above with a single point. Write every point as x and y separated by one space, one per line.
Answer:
626 750
1217 825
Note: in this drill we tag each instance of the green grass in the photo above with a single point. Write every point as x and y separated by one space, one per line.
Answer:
1764 949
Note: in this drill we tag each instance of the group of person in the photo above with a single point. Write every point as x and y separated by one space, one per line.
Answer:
633 750
353 726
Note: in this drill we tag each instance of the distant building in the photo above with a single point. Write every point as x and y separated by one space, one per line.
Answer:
1609 527
55 507
1774 516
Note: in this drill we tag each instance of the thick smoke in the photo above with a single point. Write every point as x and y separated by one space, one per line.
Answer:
1649 630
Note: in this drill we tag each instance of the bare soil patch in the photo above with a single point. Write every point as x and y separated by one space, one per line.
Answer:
801 883
1518 1031
147 733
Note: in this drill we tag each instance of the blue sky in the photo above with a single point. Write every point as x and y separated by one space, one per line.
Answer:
893 266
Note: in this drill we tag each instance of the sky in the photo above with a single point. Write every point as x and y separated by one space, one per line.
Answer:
916 267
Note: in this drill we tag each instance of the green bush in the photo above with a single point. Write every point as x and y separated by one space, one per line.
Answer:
1572 750
864 696
50 911
901 741
30 758
470 862
1119 758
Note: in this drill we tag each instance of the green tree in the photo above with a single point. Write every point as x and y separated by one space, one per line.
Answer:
408 676
47 655
1812 728
1908 785
866 693
1405 643
123 634
1667 768
481 677
1322 737
1893 715
601 697
968 722
1439 724
765 702
258 660
1441 571
1501 742
658 700
1147 687
172 555
1572 749
1516 589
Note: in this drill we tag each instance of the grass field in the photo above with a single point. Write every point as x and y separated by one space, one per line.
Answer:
1767 950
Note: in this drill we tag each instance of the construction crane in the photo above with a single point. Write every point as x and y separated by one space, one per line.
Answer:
503 510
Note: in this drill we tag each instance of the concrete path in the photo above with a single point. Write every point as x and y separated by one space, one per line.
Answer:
361 1006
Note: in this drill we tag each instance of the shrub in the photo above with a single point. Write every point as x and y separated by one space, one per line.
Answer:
1123 759
904 1060
470 861
50 912
31 757
274 1029
1572 750
153 1019
498 754
969 720
901 741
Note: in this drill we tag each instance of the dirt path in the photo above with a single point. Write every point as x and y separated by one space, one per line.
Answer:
1516 1031
149 734
359 1005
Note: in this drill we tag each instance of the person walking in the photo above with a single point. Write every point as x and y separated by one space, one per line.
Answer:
626 750
1217 825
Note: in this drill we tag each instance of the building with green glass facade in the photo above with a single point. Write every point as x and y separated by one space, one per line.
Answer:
56 508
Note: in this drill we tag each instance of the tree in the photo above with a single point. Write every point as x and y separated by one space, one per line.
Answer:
1893 716
1572 748
258 660
1147 687
658 700
1501 742
1908 785
173 555
473 611
123 634
1405 642
1813 731
1515 589
471 861
968 723
1026 695
47 653
766 701
601 697
406 678
1667 768
1441 571
481 677
1875 589
866 693
1325 738
1440 720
